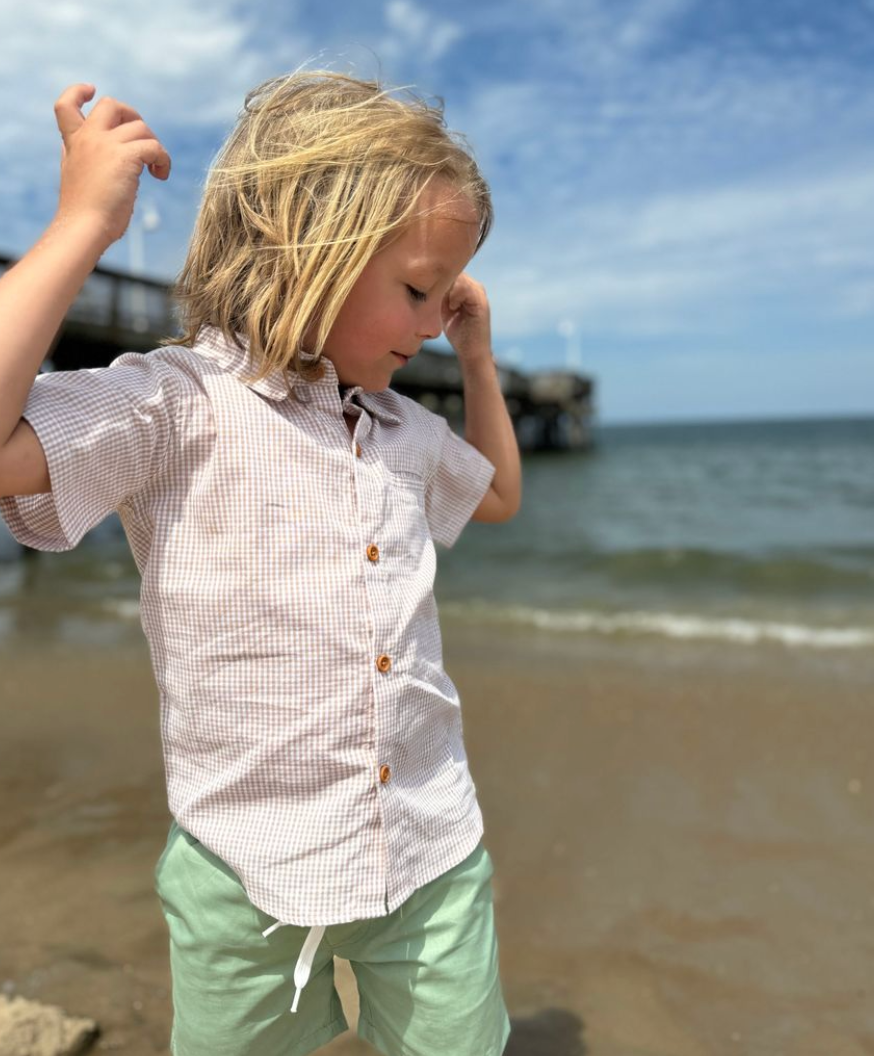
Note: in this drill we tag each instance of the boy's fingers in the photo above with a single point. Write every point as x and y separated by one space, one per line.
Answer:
154 156
68 108
458 294
467 295
131 131
110 113
106 114
160 170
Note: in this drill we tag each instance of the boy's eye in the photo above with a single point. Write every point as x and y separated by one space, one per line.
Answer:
417 295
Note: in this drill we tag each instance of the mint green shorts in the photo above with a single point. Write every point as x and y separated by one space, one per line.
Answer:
427 973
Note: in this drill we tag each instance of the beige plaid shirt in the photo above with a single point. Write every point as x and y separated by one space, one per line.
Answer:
312 739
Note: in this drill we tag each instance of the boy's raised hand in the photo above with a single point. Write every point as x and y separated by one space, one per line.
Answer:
466 320
102 159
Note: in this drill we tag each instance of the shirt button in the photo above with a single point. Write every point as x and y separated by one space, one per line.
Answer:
383 662
358 450
373 552
385 774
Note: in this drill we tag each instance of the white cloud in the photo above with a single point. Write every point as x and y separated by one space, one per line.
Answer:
680 262
686 193
649 183
857 298
185 65
414 34
647 22
597 38
186 59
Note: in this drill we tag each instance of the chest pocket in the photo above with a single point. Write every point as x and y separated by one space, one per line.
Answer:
406 471
408 488
404 513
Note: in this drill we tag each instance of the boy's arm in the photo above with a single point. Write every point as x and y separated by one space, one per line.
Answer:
103 157
487 423
34 297
488 427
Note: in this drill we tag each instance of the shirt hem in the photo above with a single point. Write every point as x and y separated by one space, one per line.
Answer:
387 905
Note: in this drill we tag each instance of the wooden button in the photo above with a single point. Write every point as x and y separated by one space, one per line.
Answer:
383 662
385 774
358 450
373 552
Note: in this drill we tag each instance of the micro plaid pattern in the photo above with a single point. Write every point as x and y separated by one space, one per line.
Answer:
287 597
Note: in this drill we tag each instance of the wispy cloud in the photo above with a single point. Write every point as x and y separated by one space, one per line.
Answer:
186 51
414 33
702 188
683 262
665 171
184 64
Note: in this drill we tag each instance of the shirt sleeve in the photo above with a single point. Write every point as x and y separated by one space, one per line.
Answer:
456 487
105 433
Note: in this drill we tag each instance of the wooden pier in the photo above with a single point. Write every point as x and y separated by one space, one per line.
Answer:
117 312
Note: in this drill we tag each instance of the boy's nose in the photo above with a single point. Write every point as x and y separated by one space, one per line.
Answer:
431 326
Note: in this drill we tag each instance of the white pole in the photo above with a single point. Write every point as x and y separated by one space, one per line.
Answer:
573 354
137 263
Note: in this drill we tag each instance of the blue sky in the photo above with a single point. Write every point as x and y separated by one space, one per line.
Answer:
684 189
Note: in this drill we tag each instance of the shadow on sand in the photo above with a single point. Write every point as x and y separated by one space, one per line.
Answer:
552 1032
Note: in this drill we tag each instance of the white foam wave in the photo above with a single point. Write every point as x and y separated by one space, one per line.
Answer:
666 624
673 625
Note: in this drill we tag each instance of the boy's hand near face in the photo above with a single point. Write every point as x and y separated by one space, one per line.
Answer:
487 425
102 159
467 321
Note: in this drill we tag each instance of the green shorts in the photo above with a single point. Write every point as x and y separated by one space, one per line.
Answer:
427 973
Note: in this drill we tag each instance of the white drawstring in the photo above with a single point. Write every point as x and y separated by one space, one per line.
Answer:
305 958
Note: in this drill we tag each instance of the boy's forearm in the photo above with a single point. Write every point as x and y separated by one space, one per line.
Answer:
35 295
488 427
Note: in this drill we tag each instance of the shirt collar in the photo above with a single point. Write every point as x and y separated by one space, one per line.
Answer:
278 384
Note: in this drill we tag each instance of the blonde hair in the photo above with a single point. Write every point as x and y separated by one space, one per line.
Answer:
319 172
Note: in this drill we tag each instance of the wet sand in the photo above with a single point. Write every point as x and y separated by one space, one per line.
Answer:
682 838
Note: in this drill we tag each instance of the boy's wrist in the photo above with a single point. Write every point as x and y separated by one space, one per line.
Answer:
83 233
480 363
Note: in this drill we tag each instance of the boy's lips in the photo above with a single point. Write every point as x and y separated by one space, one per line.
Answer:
401 356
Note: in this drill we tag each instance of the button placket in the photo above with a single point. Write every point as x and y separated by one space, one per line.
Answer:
383 664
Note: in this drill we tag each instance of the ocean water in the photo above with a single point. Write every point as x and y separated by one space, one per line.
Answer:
744 532
747 532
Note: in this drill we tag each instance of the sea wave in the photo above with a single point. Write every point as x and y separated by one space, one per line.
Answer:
742 631
733 629
838 571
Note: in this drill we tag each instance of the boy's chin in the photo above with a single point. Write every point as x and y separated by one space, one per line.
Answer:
373 378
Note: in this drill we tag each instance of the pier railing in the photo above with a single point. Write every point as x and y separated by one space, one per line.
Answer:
116 312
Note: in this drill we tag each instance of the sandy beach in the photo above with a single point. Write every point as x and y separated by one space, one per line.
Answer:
681 836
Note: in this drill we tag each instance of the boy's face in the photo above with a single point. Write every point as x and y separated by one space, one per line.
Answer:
396 303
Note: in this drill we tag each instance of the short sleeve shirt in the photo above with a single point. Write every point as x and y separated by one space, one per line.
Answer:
312 738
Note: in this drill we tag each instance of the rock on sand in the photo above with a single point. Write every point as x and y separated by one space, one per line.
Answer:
31 1029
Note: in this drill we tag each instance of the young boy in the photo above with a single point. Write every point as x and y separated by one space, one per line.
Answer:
282 505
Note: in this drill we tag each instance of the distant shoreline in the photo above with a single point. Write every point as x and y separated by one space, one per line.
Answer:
851 417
